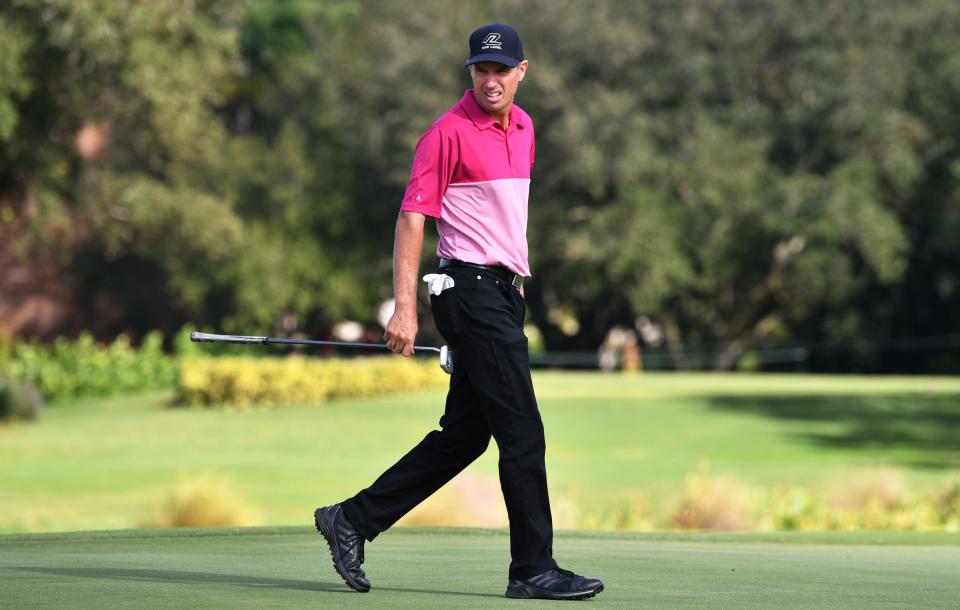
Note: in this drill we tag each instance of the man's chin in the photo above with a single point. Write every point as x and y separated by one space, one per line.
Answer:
494 107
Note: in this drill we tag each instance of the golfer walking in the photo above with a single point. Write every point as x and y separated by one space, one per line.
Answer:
471 173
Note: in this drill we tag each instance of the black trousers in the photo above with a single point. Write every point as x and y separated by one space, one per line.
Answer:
491 394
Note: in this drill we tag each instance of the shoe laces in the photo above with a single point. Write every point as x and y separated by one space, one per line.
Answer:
355 541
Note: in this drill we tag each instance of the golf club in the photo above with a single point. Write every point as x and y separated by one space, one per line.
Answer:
446 356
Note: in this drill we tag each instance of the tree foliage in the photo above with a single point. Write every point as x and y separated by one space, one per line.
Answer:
741 173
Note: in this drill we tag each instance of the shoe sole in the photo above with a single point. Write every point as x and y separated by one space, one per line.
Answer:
318 522
528 592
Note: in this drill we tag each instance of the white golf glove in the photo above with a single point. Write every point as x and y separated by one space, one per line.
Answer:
437 282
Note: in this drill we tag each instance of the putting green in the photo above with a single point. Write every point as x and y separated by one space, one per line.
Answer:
450 568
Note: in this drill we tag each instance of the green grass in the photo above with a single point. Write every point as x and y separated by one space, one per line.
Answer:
107 463
454 568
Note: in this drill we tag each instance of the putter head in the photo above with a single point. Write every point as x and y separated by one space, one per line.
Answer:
446 360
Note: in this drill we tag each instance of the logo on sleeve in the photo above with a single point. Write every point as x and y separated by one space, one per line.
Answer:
492 41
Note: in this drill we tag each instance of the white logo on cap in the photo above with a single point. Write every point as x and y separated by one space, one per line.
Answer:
492 41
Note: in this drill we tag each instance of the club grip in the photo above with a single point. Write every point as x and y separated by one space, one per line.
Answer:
212 338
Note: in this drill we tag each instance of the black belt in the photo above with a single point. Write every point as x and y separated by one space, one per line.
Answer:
501 273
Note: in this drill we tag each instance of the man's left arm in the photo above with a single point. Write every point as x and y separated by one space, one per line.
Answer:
401 331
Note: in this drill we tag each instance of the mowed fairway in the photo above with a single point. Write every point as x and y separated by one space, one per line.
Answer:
108 463
454 568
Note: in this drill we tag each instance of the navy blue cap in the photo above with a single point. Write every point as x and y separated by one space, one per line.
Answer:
495 42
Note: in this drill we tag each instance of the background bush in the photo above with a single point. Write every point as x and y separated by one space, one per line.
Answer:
19 400
246 381
82 368
66 370
5 347
204 501
874 500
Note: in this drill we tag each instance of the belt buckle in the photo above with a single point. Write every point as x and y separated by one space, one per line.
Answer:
517 281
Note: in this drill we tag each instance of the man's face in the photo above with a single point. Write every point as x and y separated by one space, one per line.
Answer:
495 85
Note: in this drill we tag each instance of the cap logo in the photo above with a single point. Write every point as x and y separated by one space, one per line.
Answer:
492 41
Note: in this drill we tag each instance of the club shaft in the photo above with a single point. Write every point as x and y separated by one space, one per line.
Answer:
279 341
214 338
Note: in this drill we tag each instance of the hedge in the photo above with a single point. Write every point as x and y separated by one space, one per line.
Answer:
245 381
83 368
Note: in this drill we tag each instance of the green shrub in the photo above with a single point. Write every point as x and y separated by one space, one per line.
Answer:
246 381
19 400
82 368
203 501
714 503
794 509
947 503
5 347
872 500
182 345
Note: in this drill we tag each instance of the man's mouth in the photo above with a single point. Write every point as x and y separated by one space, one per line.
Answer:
493 96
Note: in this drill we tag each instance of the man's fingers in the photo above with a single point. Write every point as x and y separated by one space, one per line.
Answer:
402 346
391 342
400 340
399 346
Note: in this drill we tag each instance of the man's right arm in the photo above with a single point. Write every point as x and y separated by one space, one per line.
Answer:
401 331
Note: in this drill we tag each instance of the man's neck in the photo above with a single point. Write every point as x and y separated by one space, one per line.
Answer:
503 119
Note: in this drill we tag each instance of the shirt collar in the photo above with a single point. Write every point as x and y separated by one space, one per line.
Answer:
480 117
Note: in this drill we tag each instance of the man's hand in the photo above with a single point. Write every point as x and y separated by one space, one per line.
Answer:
401 332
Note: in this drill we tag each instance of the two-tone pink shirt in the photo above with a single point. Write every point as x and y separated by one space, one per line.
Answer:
474 178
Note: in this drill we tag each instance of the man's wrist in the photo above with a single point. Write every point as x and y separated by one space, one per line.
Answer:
404 307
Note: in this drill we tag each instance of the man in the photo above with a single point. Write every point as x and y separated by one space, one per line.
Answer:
471 172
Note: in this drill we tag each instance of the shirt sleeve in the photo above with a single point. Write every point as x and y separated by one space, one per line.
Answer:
433 165
533 152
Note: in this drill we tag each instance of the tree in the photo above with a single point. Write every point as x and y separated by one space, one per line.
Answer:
743 174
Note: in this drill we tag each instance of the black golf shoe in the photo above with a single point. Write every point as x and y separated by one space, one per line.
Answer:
554 584
346 545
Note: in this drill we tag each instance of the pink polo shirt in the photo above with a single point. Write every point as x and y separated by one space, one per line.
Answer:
474 178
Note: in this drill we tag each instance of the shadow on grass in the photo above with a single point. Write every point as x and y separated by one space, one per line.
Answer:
181 577
925 424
